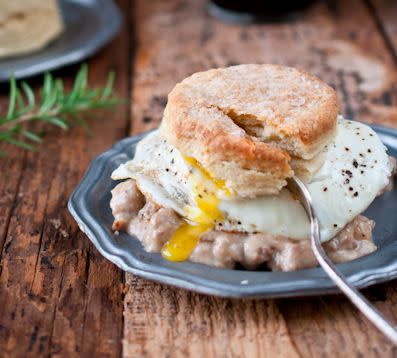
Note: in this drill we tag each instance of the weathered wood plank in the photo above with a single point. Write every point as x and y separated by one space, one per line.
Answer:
177 38
166 322
386 14
58 296
10 168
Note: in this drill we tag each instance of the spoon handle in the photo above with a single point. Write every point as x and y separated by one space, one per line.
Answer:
355 296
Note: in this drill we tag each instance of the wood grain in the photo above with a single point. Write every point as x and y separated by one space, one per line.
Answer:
58 296
385 12
177 38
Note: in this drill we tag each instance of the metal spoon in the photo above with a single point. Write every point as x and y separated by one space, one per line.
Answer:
370 311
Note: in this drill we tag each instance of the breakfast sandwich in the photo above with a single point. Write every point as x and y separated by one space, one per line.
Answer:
210 185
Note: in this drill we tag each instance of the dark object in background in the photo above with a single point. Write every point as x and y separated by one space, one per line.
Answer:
251 11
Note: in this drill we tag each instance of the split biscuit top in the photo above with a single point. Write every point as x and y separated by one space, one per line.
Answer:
252 125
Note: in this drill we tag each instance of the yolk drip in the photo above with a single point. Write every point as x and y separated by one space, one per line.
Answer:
201 218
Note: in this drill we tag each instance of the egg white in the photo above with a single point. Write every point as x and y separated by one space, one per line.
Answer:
355 170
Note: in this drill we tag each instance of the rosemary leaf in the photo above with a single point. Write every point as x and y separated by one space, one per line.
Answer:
13 98
32 136
19 143
59 122
29 95
53 106
107 91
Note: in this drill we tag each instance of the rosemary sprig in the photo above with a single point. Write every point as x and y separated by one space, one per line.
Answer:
54 106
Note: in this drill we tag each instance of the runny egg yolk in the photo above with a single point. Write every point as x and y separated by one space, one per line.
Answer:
200 218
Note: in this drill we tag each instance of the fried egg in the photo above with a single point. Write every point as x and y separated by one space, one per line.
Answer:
355 170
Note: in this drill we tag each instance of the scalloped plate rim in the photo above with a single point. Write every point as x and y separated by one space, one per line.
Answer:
105 243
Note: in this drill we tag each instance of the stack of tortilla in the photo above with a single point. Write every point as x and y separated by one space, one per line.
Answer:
28 25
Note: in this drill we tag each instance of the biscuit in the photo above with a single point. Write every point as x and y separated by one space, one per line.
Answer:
244 123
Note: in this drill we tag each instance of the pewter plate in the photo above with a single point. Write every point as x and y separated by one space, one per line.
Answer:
89 205
89 25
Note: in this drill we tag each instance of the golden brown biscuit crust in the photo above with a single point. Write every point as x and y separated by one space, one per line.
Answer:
243 123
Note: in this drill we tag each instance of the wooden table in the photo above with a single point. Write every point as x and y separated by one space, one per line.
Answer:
59 297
